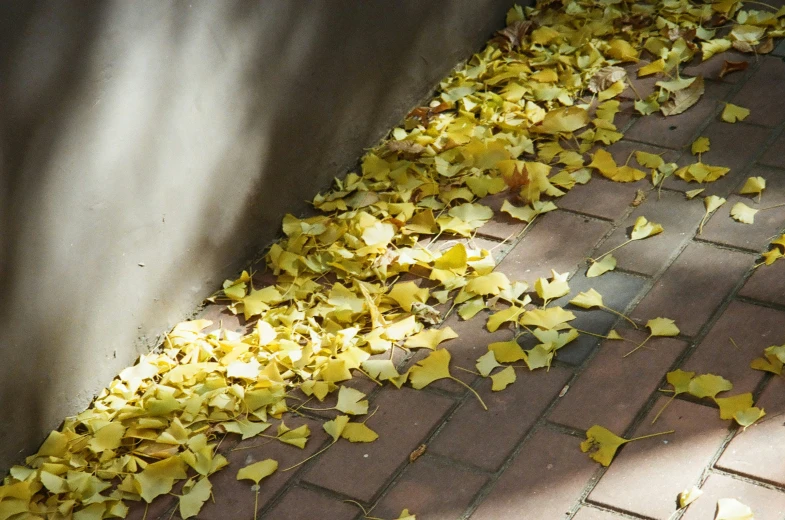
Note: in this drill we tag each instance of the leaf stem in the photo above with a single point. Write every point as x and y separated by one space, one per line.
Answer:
309 458
611 251
639 346
773 207
472 390
663 408
617 313
650 435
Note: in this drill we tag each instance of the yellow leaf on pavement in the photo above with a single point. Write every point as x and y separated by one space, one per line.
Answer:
732 509
754 185
688 496
700 145
587 299
486 363
430 338
607 263
358 432
258 470
192 500
503 379
644 229
733 113
735 403
556 287
748 417
507 351
157 478
436 366
709 385
351 401
743 213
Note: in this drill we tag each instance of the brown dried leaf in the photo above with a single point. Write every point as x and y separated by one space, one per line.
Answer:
512 36
605 77
743 46
408 149
733 66
766 46
683 99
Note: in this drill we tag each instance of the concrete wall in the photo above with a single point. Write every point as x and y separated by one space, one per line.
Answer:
175 135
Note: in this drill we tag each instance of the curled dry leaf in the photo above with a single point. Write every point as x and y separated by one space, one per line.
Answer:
605 77
683 99
733 66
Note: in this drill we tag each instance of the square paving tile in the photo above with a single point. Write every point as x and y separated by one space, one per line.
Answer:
403 421
485 438
424 487
753 328
650 255
618 290
647 475
304 504
756 94
545 480
613 389
757 452
732 146
676 132
694 285
767 283
711 68
558 240
591 513
775 153
766 504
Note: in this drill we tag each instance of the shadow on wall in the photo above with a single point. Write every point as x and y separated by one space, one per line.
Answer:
148 150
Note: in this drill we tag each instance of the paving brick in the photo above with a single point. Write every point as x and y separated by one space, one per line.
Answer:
404 419
753 328
613 389
618 291
767 283
502 226
234 498
305 504
757 93
721 228
485 438
647 475
779 50
775 154
704 272
591 513
673 132
545 480
640 87
766 504
757 452
607 199
651 254
423 488
732 146
711 68
558 240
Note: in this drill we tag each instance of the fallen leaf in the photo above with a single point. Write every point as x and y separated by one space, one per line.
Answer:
503 379
486 363
754 186
192 500
683 99
605 77
709 385
743 213
733 113
694 193
700 145
712 202
358 432
601 444
732 66
563 120
688 496
607 263
644 229
732 509
554 288
258 470
735 403
748 417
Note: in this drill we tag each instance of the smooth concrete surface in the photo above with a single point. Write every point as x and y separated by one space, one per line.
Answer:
148 150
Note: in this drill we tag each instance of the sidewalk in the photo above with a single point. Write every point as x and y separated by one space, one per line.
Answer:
521 458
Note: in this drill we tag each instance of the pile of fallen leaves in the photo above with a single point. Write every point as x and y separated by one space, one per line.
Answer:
387 257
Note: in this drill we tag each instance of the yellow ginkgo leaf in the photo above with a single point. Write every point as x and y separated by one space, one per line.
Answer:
434 367
603 162
732 113
662 327
474 215
192 500
507 351
748 417
358 432
688 496
644 229
735 403
158 478
652 68
486 363
601 444
754 185
732 509
613 335
430 338
470 309
563 120
405 514
335 427
607 263
691 194
258 470
503 379
743 213
551 318
649 160
712 202
497 319
700 145
622 50
709 385
406 293
587 299
296 437
712 47
108 437
489 284
556 287
351 401
247 429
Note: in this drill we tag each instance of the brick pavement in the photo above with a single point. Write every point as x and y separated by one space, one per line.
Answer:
521 458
